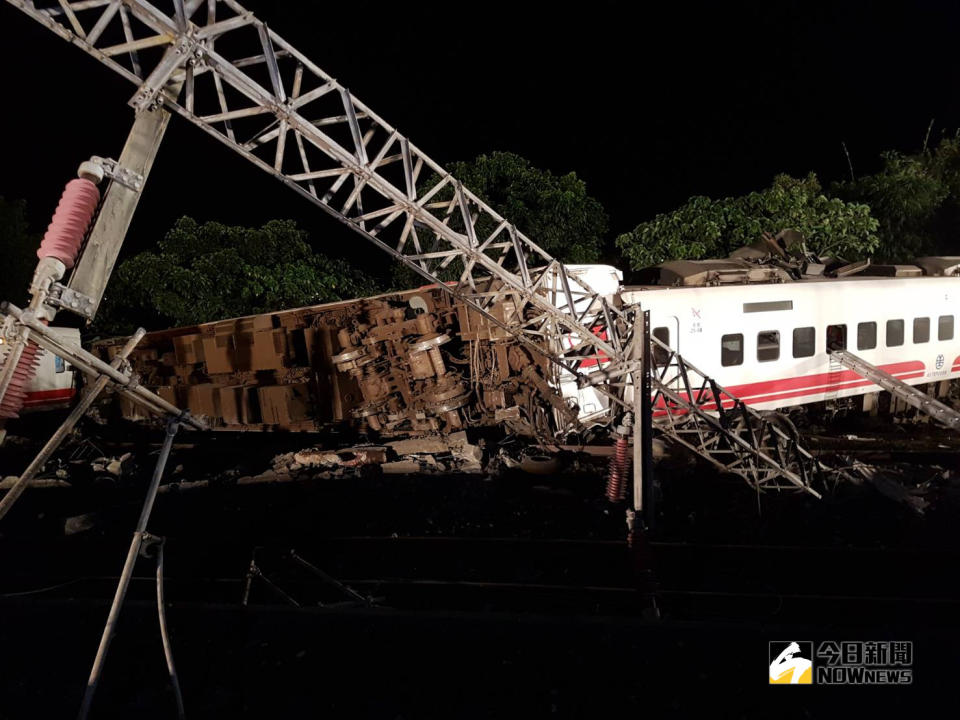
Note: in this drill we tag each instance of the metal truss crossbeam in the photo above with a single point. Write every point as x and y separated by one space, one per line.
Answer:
692 410
943 414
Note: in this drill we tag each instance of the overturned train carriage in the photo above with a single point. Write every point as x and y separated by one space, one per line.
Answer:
409 362
421 361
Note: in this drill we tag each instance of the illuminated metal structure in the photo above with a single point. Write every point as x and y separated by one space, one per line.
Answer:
224 70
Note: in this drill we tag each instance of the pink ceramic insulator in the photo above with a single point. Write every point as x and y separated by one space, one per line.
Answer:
17 390
70 221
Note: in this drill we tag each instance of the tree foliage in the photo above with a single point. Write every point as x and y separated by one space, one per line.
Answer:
915 198
554 211
210 271
704 227
19 249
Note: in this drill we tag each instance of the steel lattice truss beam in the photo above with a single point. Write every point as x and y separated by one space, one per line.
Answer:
690 409
254 91
943 414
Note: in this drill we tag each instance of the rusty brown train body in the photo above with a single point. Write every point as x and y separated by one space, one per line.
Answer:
409 362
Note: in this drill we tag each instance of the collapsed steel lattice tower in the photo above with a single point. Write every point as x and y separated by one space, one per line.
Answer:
254 91
224 70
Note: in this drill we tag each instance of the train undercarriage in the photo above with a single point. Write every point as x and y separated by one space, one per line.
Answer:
398 364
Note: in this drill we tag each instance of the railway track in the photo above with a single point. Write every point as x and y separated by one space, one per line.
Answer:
677 580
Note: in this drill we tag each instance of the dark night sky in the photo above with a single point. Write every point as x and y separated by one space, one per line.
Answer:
648 106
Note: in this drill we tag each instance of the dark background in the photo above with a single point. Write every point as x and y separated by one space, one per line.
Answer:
649 105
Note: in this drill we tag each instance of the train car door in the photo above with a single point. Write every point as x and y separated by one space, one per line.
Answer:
836 339
666 329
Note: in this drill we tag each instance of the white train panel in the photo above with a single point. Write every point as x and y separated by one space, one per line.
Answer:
767 344
53 385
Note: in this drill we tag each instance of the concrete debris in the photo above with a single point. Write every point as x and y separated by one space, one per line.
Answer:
431 455
79 523
401 467
8 482
420 446
116 466
350 457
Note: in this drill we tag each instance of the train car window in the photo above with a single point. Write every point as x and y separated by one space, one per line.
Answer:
866 336
58 364
921 330
731 350
804 342
768 346
661 356
894 333
836 337
945 328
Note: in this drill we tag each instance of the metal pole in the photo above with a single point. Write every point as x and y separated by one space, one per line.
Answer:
72 419
93 269
165 635
124 583
645 421
638 375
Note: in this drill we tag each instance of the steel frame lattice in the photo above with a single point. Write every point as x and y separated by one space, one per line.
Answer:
691 409
255 92
218 66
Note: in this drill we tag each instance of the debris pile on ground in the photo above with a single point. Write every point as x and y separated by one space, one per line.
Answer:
116 466
432 454
907 484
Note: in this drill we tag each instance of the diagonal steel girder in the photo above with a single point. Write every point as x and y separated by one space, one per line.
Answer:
370 176
692 410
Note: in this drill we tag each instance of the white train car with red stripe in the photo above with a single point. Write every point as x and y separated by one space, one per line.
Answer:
53 385
767 343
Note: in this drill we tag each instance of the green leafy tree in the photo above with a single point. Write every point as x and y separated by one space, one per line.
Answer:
210 271
19 249
554 211
915 198
705 228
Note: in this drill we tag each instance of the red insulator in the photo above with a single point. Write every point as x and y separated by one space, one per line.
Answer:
22 376
619 471
70 221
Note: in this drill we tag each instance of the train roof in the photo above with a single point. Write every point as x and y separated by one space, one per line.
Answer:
772 270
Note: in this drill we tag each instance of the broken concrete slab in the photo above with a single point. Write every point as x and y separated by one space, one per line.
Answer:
347 457
430 445
401 467
8 482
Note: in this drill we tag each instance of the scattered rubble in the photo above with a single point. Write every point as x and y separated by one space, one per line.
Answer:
911 469
8 482
118 467
909 485
350 457
431 454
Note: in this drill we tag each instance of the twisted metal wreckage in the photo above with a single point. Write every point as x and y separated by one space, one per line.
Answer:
532 324
518 338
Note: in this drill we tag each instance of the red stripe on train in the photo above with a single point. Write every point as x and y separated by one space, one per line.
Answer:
44 397
830 379
812 385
